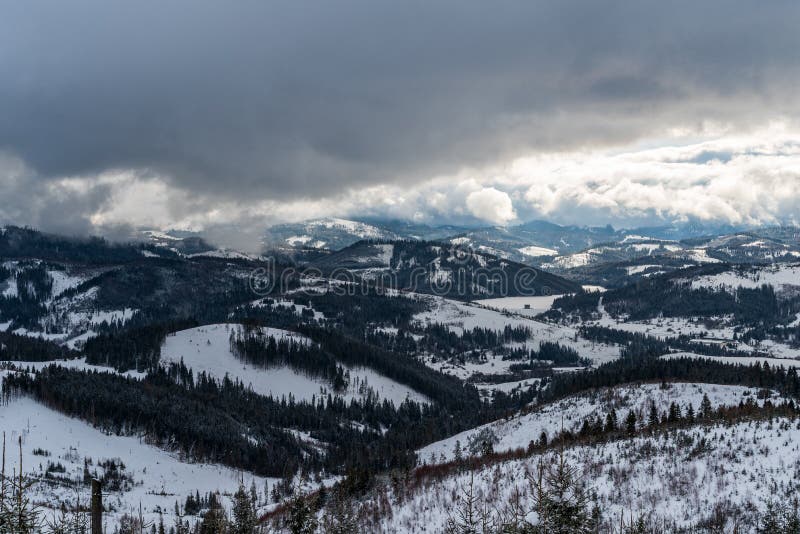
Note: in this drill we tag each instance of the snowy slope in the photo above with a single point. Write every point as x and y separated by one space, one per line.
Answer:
570 413
783 277
667 475
534 251
460 316
207 348
160 478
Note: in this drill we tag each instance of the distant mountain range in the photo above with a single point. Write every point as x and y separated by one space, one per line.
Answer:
590 255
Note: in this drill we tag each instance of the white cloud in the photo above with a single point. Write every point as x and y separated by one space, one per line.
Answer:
745 178
490 204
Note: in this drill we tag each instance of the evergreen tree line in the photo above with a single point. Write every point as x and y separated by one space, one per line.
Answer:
225 422
642 363
252 346
671 295
604 334
19 348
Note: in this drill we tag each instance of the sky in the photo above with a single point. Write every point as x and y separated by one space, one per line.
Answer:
202 115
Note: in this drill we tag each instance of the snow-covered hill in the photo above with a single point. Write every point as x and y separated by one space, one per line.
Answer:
568 414
784 277
683 476
460 316
208 349
329 233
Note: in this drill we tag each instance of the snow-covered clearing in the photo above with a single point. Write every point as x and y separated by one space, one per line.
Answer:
700 255
534 251
705 330
222 253
508 387
493 364
570 413
783 277
207 348
460 316
636 269
298 308
524 305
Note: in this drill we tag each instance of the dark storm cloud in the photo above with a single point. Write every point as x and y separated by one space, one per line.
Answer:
256 99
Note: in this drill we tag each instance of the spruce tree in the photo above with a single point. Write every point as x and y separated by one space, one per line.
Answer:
611 421
561 502
705 407
244 513
630 422
652 420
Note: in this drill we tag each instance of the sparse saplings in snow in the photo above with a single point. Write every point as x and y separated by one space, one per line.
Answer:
561 505
18 513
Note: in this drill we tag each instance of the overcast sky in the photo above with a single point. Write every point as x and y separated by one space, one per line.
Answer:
197 114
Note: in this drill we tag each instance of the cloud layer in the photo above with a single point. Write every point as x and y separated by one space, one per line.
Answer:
209 113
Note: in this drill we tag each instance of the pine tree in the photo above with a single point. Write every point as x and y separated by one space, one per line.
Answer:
18 513
674 415
471 516
705 407
561 501
630 423
457 452
340 518
611 421
244 513
301 519
690 418
791 520
214 521
652 420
